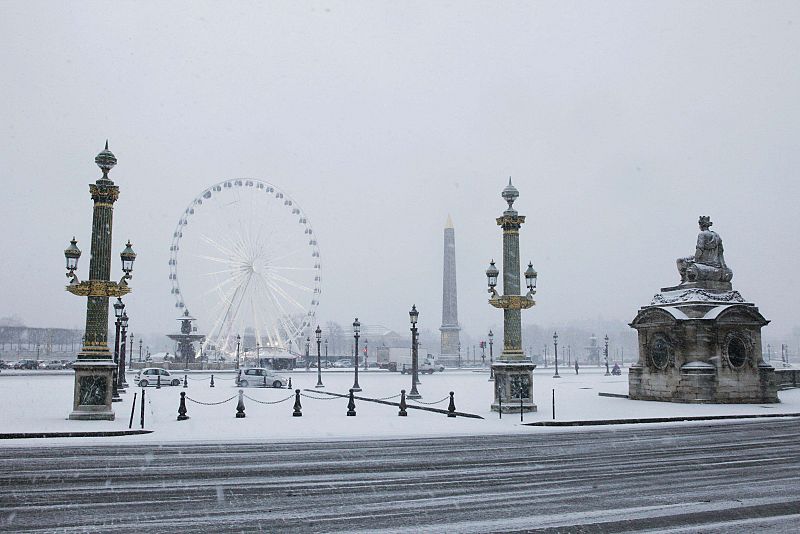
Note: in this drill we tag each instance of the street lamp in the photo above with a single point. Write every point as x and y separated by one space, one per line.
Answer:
356 333
530 279
491 356
606 356
491 274
318 333
122 352
119 308
459 355
414 316
130 363
514 370
326 353
366 353
555 353
238 344
95 366
308 342
140 349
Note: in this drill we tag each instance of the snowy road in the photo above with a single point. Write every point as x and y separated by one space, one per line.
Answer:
741 476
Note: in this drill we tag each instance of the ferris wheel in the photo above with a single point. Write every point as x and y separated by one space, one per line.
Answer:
245 259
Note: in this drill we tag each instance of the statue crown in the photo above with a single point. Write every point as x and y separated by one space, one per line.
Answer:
705 220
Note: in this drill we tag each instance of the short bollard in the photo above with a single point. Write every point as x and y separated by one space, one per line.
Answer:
500 406
186 381
290 383
298 408
133 410
520 410
265 380
403 405
351 405
158 382
141 414
182 408
212 381
240 405
554 403
451 410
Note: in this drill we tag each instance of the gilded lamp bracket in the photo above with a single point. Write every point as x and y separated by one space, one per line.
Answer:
512 302
99 288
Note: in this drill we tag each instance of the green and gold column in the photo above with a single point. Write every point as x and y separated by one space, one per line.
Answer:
513 371
95 366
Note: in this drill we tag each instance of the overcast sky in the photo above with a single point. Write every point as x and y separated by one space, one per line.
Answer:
620 123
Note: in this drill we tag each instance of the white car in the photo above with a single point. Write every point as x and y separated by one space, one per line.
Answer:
150 377
261 377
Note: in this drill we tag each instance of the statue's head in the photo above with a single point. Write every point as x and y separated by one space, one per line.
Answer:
704 222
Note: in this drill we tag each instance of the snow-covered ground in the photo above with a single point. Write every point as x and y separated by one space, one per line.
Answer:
41 403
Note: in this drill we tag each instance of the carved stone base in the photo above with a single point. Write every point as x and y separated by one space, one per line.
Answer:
698 345
93 390
513 386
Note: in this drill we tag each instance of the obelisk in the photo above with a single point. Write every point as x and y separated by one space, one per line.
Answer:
449 329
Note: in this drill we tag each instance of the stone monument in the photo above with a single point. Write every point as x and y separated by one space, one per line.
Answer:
700 341
449 329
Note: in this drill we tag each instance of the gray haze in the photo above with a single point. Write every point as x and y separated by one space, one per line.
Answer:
619 122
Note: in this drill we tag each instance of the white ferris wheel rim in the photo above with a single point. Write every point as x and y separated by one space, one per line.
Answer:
281 331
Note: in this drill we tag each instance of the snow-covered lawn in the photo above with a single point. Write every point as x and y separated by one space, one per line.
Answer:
41 402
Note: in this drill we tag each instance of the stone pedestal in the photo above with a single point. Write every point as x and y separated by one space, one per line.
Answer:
93 389
699 343
513 380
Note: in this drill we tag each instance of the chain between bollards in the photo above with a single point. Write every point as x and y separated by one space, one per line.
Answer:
351 405
182 408
403 405
298 408
240 405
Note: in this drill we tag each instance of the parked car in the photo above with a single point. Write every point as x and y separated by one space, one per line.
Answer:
26 364
54 364
4 364
150 377
422 368
259 376
343 363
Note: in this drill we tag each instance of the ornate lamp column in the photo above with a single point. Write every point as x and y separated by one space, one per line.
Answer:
94 369
605 356
513 371
491 356
414 316
318 333
555 353
122 353
356 334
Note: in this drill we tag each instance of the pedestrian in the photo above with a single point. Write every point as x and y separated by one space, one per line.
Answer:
576 367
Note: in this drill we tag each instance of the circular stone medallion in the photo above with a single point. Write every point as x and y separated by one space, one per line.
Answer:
660 352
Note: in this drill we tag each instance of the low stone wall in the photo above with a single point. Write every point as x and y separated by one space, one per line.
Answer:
787 378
